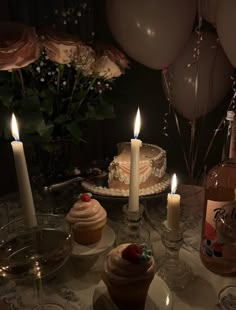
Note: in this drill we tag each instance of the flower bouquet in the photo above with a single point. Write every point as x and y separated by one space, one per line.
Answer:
54 83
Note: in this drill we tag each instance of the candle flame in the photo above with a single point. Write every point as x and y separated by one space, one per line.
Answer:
137 124
173 184
14 127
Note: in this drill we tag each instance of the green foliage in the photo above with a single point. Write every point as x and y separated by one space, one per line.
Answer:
52 101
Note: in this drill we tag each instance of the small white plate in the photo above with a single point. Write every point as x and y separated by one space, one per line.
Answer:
106 241
159 297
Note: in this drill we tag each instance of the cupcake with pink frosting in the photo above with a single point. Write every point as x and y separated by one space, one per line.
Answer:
87 218
128 272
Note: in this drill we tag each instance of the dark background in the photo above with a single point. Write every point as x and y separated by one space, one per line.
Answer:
140 86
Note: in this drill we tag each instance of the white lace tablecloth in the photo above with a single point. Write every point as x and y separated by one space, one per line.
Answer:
75 283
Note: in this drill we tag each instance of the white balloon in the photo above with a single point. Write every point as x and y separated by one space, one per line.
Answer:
226 26
213 69
151 32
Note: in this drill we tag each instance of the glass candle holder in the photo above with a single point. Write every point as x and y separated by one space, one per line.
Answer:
171 268
133 230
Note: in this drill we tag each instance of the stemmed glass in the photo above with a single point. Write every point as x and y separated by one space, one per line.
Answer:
226 231
35 252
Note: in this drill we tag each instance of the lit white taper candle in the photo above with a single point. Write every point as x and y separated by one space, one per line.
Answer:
26 197
133 205
173 206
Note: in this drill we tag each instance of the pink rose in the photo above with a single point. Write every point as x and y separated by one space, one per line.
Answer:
60 47
106 68
114 55
19 46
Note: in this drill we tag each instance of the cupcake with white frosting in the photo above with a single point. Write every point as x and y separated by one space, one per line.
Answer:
128 272
87 218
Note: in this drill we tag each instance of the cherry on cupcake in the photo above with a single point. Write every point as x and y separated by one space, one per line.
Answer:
132 253
85 197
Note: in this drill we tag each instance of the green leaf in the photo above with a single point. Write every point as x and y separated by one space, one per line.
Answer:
47 100
61 119
47 106
105 109
74 128
101 110
91 113
7 101
45 130
5 76
34 123
31 104
5 118
6 96
52 89
32 92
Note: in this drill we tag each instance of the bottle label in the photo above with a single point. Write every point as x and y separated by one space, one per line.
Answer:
214 246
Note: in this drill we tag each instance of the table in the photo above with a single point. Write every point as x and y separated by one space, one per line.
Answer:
74 285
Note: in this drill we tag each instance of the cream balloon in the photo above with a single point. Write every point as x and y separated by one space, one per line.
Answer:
208 10
151 32
214 77
226 25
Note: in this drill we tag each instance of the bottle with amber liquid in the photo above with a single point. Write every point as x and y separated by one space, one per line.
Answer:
220 197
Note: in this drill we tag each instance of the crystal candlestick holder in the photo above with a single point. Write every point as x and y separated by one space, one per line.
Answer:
133 230
171 268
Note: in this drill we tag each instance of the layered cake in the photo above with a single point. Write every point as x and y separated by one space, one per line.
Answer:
152 172
128 272
87 218
152 167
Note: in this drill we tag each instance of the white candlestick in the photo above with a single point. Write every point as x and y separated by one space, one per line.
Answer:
133 205
26 197
173 206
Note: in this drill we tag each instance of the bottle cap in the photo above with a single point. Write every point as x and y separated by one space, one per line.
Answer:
230 116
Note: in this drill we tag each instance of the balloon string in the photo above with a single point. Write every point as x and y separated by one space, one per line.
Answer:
168 87
166 115
199 26
219 128
193 150
192 142
231 106
182 145
210 99
192 153
165 121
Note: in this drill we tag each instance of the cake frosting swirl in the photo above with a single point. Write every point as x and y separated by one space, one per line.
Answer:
86 213
120 270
